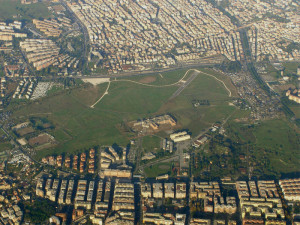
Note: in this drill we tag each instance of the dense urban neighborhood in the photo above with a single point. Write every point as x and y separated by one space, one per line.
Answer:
119 197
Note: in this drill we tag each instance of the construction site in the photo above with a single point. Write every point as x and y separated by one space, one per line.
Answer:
153 125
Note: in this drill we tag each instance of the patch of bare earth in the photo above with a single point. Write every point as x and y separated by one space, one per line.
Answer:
96 81
40 140
147 80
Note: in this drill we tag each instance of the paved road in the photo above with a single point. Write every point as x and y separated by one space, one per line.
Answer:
83 29
138 152
35 32
184 85
150 72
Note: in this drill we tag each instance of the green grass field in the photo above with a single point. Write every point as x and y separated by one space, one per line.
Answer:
276 140
80 127
272 71
55 89
161 78
281 142
13 9
291 67
151 143
158 169
197 119
5 146
1 132
296 110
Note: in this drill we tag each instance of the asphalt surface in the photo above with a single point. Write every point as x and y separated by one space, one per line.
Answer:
184 85
84 31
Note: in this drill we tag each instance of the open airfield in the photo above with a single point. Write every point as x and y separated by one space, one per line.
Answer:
79 127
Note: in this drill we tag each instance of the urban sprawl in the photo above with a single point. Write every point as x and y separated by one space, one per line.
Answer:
253 47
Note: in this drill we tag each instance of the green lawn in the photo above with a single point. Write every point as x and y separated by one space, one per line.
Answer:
158 169
61 135
276 140
54 89
197 119
296 110
1 132
13 9
272 71
276 134
161 78
134 101
5 146
291 67
80 127
281 143
151 143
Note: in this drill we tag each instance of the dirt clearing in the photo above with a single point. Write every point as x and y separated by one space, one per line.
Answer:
95 81
147 80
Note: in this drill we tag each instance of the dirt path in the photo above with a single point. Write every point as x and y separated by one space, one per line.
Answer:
105 93
229 92
152 85
162 86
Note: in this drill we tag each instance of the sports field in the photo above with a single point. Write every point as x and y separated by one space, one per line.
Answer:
78 126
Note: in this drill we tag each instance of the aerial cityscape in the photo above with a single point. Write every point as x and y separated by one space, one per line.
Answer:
174 112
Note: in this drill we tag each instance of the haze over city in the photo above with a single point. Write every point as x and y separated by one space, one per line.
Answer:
175 112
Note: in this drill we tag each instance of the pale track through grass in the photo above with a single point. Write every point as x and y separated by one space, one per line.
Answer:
161 86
